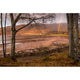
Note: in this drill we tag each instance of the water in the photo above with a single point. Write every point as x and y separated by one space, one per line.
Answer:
7 38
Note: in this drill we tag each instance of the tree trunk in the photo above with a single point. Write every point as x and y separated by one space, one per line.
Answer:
5 32
70 32
2 35
13 33
75 36
13 43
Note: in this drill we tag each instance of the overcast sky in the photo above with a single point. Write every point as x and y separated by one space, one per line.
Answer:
60 18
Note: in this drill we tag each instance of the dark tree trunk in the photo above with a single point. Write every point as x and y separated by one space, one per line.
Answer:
13 43
5 32
2 35
13 31
73 35
13 34
70 32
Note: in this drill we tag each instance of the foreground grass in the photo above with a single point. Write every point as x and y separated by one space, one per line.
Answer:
59 59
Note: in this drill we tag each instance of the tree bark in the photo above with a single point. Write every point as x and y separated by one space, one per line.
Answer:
13 43
75 36
72 20
70 32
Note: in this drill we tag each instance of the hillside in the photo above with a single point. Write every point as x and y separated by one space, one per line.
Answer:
39 28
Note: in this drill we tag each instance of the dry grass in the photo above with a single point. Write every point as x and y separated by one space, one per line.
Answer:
59 59
65 35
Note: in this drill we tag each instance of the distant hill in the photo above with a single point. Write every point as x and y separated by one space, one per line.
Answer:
40 28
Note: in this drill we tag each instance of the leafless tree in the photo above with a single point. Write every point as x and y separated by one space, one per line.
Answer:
30 18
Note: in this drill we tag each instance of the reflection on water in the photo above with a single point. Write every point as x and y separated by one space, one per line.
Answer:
7 39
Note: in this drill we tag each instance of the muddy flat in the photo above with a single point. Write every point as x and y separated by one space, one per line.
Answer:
29 42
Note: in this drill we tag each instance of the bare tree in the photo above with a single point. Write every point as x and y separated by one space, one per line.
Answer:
13 30
30 18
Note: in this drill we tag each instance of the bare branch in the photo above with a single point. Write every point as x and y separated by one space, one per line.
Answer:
33 19
12 18
24 26
17 18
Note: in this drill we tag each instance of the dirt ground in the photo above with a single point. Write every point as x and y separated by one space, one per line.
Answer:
30 42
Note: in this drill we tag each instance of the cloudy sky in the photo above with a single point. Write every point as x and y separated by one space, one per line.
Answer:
60 18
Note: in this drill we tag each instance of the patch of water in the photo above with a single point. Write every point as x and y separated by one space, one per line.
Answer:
0 48
6 39
18 43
